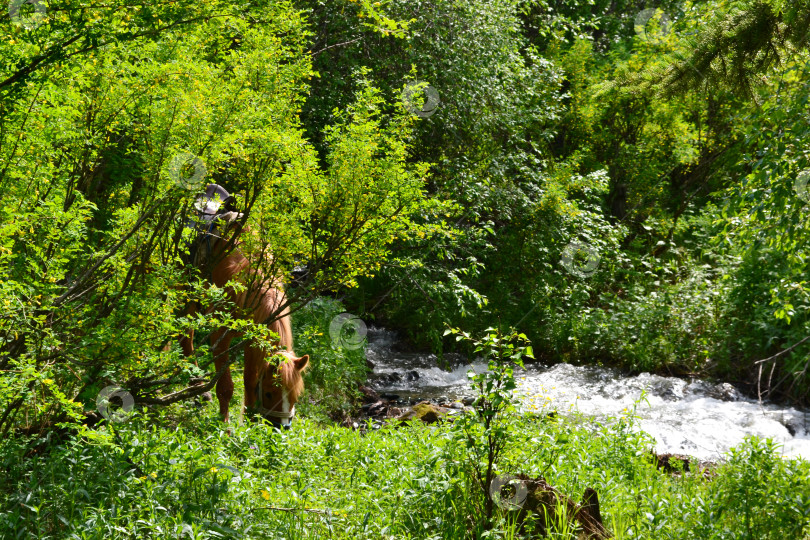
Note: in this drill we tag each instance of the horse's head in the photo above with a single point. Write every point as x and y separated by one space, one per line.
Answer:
277 390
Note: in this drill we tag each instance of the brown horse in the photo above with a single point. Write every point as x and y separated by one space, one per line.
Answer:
270 391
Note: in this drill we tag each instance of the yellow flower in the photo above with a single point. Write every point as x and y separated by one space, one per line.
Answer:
214 469
266 495
47 381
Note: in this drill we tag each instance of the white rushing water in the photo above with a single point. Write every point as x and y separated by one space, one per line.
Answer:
697 418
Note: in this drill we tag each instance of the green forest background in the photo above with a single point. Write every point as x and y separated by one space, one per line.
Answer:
625 183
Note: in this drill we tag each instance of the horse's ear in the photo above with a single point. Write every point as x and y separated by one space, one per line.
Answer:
301 363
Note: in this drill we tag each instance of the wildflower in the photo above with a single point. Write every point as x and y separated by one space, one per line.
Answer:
266 495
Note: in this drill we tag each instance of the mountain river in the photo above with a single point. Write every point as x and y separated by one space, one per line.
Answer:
694 417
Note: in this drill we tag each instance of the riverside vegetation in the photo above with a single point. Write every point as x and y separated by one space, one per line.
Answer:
172 472
619 182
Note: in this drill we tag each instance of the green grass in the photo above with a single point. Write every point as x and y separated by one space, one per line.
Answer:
146 479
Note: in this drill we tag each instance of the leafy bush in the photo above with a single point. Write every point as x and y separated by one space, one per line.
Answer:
484 430
102 160
335 371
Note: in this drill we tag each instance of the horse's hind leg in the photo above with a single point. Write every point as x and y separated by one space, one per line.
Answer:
220 342
187 340
187 344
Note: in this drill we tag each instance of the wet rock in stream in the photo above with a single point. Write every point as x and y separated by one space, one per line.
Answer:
424 411
381 408
677 464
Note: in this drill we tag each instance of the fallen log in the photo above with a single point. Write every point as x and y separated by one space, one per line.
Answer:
541 503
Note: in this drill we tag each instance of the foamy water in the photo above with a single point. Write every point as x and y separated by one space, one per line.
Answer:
697 418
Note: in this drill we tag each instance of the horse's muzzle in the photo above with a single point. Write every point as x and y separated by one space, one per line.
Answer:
279 423
275 418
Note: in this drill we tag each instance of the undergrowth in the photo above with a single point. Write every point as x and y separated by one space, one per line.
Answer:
179 472
139 479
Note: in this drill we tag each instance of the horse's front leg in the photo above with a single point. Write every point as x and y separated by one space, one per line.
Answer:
253 358
220 343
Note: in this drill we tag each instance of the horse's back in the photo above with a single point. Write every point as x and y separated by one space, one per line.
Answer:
265 302
276 298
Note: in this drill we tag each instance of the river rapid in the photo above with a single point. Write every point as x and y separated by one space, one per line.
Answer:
690 417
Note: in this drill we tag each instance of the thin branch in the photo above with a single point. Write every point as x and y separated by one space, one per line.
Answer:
194 390
58 50
316 53
777 355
